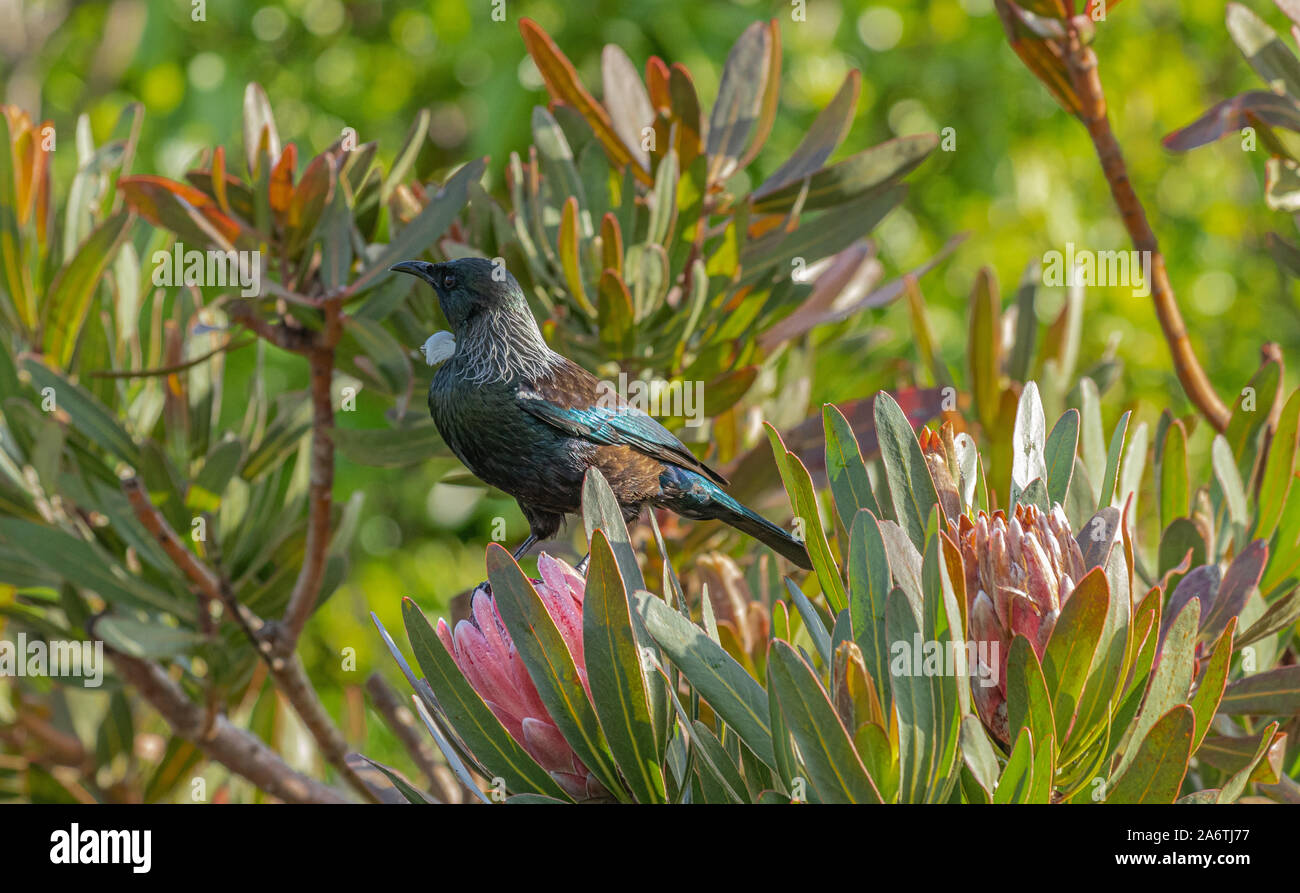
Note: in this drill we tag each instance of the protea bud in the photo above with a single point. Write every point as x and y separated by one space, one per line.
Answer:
1019 572
940 459
483 650
734 606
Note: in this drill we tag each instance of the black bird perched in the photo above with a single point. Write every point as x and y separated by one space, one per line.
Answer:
531 422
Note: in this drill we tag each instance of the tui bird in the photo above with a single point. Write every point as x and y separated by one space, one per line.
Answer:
531 422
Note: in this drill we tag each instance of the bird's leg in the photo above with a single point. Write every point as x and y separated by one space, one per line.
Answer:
582 565
525 546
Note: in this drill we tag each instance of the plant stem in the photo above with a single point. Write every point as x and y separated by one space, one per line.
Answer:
237 749
286 670
306 589
1081 62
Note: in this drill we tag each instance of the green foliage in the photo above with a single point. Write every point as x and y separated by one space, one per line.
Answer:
1129 697
672 253
1269 118
119 375
635 228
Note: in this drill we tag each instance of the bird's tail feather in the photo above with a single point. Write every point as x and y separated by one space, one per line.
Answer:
763 530
695 496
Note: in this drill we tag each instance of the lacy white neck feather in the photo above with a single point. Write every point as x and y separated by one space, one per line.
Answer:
502 345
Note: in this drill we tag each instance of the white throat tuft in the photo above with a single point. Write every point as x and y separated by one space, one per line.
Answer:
439 348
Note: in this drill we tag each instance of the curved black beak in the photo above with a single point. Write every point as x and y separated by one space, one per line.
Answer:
418 268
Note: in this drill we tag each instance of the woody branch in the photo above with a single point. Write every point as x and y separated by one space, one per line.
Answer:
1081 64
287 671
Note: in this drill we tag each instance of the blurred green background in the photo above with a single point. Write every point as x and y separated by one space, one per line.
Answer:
1021 180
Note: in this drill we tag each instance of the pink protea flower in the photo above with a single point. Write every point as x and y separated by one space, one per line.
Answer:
1019 572
486 655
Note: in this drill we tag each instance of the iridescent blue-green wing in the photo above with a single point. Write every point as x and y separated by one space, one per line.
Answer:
569 398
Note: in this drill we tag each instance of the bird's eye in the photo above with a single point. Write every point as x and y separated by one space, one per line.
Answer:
449 280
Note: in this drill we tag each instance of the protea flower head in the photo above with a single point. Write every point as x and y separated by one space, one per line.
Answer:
483 650
1019 572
